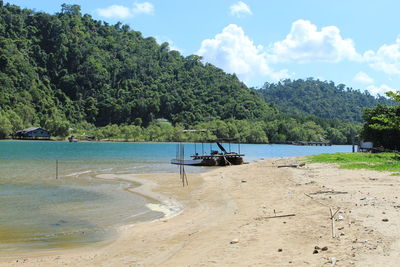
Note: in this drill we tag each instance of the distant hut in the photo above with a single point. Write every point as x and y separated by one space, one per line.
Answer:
32 133
365 146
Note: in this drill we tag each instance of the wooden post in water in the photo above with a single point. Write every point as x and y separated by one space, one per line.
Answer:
56 168
182 171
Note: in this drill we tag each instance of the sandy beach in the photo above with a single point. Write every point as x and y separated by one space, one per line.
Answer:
258 214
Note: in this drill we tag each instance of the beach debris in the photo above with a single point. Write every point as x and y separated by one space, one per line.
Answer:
244 181
275 216
328 192
234 241
317 248
279 250
385 220
340 218
368 198
292 165
193 233
333 261
315 251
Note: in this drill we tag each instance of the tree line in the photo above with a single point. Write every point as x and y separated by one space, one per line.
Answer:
245 131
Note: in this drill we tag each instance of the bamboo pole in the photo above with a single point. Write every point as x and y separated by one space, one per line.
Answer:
279 216
332 223
333 214
56 168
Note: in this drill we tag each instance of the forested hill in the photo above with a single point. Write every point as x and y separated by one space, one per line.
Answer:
319 98
68 68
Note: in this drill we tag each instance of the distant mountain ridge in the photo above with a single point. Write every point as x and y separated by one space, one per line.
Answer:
319 98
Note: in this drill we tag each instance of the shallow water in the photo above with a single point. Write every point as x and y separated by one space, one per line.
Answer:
43 207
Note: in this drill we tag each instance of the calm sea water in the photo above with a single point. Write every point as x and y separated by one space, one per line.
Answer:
39 211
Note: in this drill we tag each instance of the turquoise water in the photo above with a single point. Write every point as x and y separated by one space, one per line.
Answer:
39 211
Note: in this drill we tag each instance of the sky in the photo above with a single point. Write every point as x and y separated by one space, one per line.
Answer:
354 42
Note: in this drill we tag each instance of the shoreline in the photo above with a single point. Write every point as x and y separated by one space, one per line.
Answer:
225 220
166 205
154 142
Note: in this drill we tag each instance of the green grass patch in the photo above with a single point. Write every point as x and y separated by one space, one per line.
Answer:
377 162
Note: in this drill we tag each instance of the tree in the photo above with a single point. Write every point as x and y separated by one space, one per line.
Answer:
394 95
70 9
382 126
5 126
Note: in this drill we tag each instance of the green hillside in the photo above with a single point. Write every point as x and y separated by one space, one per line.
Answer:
70 67
320 98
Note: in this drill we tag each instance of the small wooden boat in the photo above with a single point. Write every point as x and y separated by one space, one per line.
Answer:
215 158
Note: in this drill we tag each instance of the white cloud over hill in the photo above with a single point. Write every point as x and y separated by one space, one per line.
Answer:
386 58
381 90
234 52
123 12
305 43
362 77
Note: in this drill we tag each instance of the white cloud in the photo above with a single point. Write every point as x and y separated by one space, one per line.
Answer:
114 11
381 90
143 8
305 43
234 52
386 58
240 9
362 77
123 12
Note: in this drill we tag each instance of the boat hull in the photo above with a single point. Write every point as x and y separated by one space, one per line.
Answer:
191 162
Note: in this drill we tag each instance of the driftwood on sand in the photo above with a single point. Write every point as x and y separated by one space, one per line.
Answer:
328 192
292 165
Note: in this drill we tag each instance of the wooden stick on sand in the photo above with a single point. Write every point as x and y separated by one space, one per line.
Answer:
333 220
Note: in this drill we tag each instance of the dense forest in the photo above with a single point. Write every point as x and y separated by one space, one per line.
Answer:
320 98
72 74
68 66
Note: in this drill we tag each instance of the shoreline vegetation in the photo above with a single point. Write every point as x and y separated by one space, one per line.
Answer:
236 216
245 131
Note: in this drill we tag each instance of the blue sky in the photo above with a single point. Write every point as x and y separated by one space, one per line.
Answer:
346 41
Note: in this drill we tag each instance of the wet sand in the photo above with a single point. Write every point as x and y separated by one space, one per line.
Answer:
226 220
